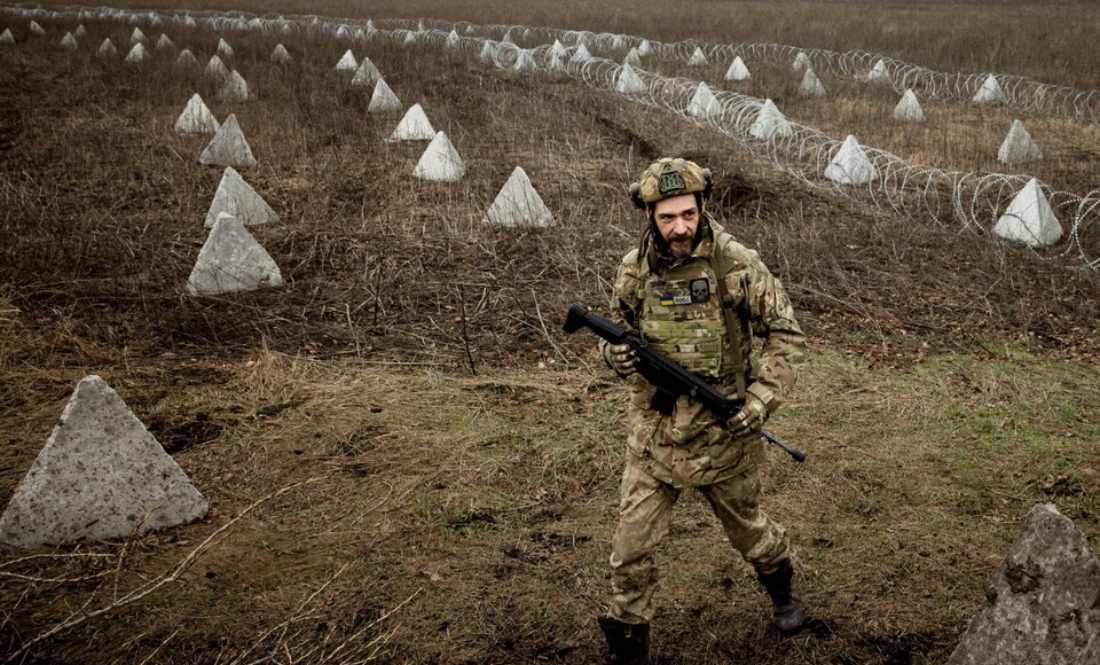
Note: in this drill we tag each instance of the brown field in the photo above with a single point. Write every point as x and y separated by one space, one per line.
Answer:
424 467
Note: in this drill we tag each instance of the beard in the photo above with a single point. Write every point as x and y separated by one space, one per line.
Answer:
681 247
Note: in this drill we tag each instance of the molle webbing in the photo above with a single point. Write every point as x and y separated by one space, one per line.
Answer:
689 329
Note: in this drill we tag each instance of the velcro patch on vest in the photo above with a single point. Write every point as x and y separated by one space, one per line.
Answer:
670 301
700 290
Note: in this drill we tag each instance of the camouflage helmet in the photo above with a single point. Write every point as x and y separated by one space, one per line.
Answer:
668 177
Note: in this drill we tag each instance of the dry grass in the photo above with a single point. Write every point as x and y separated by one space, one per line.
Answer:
480 509
465 519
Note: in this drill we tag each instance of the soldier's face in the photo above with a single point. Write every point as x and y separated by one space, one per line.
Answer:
677 218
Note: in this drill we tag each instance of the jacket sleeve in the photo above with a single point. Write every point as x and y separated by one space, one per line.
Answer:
624 298
773 323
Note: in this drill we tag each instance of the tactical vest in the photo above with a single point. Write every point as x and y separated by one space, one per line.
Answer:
681 317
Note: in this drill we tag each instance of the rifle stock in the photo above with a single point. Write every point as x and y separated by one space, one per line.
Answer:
666 376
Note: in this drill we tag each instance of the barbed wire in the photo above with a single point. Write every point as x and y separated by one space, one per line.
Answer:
972 200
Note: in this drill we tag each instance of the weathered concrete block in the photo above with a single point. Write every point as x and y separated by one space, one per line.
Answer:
228 147
415 126
238 199
518 204
232 260
1043 607
440 161
100 475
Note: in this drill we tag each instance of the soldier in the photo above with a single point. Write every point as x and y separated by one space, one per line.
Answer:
699 297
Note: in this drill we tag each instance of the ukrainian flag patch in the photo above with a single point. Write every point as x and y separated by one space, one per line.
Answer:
667 301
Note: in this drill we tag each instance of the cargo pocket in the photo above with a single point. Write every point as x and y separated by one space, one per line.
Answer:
725 451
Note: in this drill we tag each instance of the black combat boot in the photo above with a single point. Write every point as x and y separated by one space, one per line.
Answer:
627 643
790 612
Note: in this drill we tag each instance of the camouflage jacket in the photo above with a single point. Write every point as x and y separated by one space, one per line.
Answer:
691 446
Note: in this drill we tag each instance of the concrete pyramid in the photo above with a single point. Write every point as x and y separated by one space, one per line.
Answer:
216 69
228 147
486 54
413 127
644 48
558 50
440 161
186 59
100 475
850 165
1029 218
80 32
738 71
1018 146
383 99
878 73
703 103
507 38
280 55
106 49
343 32
518 204
360 36
224 49
367 74
801 61
36 29
629 83
618 43
525 62
990 92
68 42
908 109
164 43
190 22
236 198
137 37
233 89
452 41
554 63
231 260
347 63
581 55
7 37
196 118
697 58
811 85
137 54
632 58
770 122
410 39
370 26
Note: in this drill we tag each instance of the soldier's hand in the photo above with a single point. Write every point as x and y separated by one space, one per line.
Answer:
750 419
622 359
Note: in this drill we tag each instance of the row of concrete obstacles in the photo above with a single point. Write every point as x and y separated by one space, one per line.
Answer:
1036 225
1017 148
101 474
1029 218
232 260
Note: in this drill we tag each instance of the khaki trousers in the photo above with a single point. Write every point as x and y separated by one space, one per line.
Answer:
645 509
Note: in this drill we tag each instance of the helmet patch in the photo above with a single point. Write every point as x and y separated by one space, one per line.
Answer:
671 181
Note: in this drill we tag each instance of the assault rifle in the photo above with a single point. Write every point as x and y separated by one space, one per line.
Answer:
667 377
